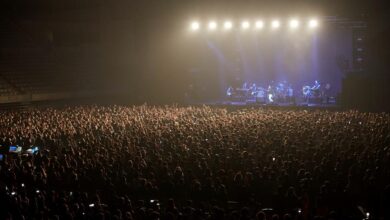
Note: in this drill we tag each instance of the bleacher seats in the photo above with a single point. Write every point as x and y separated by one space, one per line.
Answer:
28 67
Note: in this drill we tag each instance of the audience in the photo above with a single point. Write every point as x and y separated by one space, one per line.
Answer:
116 162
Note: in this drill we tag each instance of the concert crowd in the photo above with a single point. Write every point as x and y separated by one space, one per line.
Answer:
145 162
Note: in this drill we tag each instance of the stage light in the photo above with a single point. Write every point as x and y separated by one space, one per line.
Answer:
294 23
212 25
259 24
245 25
313 23
275 24
228 25
195 26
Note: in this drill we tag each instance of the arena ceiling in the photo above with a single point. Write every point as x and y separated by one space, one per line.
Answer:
348 8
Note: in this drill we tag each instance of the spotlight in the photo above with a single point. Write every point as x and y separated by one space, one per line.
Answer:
245 25
228 25
313 23
212 25
275 24
294 23
259 24
195 25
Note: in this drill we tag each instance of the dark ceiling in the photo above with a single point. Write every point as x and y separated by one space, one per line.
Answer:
347 8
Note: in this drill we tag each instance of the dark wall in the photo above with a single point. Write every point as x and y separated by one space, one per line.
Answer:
361 91
370 89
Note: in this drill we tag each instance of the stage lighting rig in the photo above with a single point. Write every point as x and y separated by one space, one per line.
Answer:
245 25
259 25
294 23
275 24
212 25
228 25
194 26
313 23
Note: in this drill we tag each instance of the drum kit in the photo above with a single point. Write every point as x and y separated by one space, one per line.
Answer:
314 92
317 93
281 93
309 92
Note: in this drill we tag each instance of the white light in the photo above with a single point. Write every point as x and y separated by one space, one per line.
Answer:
275 24
245 25
195 26
212 25
228 25
313 23
294 23
259 24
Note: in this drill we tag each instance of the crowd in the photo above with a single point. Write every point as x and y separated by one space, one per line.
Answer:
144 162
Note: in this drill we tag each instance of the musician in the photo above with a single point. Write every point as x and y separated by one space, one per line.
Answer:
316 86
290 90
253 89
271 92
281 91
326 92
316 89
245 85
327 87
229 91
271 87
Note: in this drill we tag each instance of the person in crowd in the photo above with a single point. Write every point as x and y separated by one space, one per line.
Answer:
147 162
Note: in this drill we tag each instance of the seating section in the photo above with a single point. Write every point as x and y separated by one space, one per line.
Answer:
28 67
10 35
29 70
6 89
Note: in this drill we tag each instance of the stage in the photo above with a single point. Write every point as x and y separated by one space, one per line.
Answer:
293 106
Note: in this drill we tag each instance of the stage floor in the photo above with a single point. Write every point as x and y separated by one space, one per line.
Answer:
242 104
